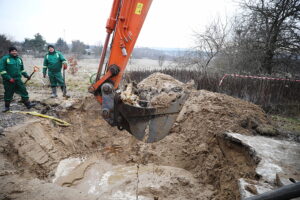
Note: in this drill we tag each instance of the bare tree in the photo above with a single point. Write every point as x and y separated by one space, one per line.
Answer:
240 53
274 28
209 43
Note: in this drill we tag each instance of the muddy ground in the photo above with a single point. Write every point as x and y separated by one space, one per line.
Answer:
199 159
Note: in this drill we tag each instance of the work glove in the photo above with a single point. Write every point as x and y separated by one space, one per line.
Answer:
65 66
44 75
12 80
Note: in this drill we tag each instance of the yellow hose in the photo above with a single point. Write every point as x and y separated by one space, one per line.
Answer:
56 120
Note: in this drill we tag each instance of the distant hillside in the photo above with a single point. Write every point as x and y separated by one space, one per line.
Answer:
155 54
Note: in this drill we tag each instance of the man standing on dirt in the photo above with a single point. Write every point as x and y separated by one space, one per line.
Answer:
11 69
53 62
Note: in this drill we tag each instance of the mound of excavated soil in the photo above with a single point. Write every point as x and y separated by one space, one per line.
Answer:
161 82
195 144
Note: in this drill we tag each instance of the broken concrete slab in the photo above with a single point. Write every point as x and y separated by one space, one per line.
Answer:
277 156
279 163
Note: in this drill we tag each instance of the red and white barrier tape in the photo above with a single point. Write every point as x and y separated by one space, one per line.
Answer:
255 77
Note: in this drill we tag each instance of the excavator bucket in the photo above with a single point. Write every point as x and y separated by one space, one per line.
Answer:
150 124
146 123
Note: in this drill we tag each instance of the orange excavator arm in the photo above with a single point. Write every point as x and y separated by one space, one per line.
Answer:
144 122
125 22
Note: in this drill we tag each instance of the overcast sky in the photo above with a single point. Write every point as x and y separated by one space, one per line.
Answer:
170 23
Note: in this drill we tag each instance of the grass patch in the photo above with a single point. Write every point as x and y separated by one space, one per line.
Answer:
291 124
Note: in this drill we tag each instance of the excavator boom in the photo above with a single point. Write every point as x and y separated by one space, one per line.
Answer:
145 123
125 22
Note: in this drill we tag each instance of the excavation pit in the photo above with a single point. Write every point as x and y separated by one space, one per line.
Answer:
91 160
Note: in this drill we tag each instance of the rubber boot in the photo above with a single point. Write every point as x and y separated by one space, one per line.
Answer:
54 94
62 89
28 104
6 106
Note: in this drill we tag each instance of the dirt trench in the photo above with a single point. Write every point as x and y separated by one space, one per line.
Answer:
195 159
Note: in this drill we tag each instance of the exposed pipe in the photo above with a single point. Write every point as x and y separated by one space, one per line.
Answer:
283 193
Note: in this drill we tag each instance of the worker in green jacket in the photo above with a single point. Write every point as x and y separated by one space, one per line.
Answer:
11 70
53 62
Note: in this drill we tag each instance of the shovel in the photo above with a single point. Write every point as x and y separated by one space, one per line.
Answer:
65 87
35 69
